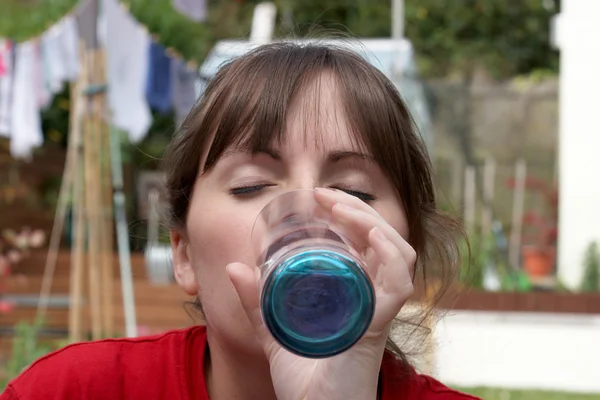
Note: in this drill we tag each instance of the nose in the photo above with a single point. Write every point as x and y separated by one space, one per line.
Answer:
292 219
291 208
304 179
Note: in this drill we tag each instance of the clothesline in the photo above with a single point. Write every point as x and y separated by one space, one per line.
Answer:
172 52
142 75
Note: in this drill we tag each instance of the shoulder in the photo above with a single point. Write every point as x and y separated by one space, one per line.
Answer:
401 382
100 367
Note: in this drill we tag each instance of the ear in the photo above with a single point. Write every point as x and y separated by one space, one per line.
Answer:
184 272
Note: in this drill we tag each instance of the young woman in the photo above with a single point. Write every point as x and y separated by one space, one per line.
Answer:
281 118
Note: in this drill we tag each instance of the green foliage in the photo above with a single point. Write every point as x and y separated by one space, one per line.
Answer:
480 256
171 28
507 394
55 118
26 349
22 20
506 37
477 254
361 18
514 280
591 274
226 19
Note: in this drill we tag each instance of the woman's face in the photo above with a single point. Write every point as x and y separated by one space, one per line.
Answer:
227 199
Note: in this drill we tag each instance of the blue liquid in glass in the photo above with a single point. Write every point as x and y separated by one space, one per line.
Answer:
318 303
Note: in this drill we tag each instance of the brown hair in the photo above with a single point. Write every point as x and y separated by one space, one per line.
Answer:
246 104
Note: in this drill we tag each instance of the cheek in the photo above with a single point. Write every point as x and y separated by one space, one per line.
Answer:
393 213
219 234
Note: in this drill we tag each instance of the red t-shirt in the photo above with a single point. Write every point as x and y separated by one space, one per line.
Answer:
165 366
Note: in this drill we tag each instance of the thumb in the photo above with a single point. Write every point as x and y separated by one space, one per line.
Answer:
246 280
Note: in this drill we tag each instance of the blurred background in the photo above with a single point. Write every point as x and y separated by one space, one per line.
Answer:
502 91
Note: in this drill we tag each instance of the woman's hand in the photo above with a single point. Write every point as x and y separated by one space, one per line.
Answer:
353 374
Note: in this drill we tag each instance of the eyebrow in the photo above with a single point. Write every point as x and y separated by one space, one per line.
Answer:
336 156
270 152
333 157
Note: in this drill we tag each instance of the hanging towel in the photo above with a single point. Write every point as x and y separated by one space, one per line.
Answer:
54 67
193 9
6 82
70 47
26 124
184 89
127 58
60 56
44 94
159 88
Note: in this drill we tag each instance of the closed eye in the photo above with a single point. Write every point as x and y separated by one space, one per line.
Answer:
248 190
366 197
255 189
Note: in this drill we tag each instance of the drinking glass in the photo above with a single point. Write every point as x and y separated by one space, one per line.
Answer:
316 298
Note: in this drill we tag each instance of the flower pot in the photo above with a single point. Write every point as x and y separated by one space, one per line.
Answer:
538 262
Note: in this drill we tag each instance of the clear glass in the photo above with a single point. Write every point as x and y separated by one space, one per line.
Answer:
316 298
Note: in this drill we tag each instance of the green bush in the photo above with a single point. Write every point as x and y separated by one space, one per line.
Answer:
506 37
25 350
22 20
591 273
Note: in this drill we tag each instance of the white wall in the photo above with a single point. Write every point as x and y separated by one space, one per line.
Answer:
578 31
519 350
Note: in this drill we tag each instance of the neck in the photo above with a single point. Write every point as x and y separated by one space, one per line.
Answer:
231 375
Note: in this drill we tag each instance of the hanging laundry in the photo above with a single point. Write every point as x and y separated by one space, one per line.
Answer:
6 81
193 9
3 60
126 46
159 88
44 95
60 51
25 125
70 47
55 68
87 21
184 89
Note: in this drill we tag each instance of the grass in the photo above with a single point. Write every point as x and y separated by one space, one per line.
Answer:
505 394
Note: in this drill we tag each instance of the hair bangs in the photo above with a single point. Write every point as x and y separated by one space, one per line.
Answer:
262 93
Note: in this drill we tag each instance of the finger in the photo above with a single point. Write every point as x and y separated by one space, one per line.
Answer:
371 263
245 280
331 198
358 224
394 272
328 198
393 283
